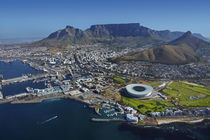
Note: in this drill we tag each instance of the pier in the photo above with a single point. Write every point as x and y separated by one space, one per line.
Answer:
1 95
23 78
107 120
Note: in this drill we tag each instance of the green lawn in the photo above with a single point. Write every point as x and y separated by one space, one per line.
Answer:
146 106
183 91
119 80
156 85
196 103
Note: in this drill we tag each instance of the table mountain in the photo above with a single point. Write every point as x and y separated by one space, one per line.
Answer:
131 34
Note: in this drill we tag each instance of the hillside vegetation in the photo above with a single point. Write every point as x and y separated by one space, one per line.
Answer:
183 50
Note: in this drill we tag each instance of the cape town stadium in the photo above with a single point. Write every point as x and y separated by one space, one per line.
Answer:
139 90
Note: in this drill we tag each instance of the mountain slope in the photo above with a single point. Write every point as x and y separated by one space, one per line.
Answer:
201 37
185 49
112 35
69 35
132 34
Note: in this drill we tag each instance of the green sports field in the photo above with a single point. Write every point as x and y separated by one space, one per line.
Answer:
183 93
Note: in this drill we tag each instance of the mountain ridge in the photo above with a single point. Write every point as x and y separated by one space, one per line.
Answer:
186 49
131 32
122 35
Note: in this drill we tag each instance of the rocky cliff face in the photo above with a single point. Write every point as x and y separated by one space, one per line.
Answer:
115 30
131 33
70 33
131 30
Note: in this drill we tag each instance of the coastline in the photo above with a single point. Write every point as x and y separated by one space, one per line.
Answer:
107 120
36 100
41 99
188 120
152 122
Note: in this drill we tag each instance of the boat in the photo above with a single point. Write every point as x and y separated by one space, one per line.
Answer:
29 89
50 119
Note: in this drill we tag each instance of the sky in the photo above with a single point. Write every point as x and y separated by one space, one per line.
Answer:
38 18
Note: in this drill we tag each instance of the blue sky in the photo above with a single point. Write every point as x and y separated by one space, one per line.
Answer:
39 18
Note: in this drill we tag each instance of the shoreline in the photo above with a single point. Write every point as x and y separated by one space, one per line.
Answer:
156 122
107 120
188 120
42 99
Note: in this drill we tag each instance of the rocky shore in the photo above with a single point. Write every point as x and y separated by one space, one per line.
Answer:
189 120
107 120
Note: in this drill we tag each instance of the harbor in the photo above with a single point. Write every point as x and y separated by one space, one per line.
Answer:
23 78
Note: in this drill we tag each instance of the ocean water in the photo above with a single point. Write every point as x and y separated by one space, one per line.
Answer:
29 121
17 88
15 69
64 119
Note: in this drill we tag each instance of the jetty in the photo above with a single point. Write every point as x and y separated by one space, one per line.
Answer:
1 95
107 120
23 78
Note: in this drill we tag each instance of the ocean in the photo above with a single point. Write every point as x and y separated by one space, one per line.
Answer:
65 119
16 69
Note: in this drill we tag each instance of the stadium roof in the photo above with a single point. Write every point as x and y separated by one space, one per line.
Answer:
139 90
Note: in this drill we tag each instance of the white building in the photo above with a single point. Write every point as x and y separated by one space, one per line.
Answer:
131 118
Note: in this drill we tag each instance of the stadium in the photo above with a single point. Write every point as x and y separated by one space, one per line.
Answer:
139 90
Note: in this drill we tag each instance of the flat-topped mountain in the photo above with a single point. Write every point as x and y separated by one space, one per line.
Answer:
131 34
183 50
115 30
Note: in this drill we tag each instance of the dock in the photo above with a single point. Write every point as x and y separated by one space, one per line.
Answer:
107 120
23 78
1 95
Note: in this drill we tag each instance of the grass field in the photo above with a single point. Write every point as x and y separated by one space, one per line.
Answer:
119 80
182 91
196 103
156 85
146 106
